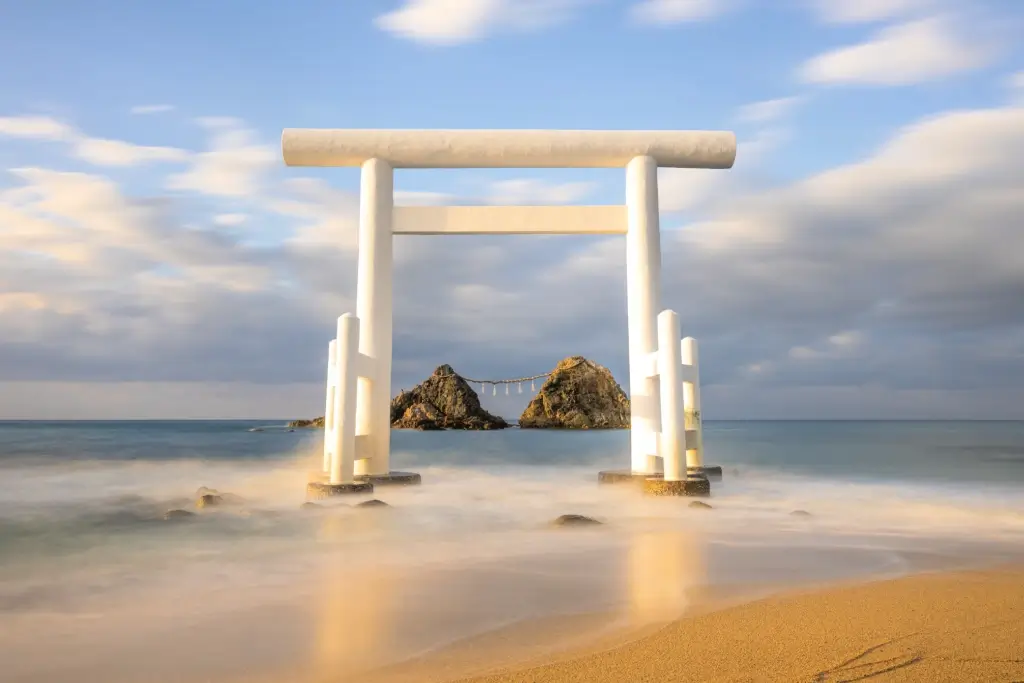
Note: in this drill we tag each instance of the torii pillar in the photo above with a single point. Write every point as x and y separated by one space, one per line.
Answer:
641 153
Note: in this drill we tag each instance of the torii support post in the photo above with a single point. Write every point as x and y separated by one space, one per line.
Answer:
378 152
672 441
340 418
694 421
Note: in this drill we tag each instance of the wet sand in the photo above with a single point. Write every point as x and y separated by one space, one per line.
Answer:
948 626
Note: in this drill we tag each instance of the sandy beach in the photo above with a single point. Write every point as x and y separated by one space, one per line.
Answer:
948 626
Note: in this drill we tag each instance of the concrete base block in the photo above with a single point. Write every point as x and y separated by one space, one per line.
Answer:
626 476
391 479
319 490
623 477
691 486
709 471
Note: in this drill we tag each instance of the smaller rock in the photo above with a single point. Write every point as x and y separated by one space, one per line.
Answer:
209 500
310 506
178 514
699 504
800 513
575 520
372 504
316 422
224 498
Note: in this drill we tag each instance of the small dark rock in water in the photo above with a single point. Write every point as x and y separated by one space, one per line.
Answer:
699 504
372 504
310 506
209 500
800 513
178 514
207 497
575 520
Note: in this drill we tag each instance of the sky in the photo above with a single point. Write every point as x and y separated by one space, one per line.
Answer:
864 259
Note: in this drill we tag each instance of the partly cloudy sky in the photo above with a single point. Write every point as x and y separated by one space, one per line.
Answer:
864 258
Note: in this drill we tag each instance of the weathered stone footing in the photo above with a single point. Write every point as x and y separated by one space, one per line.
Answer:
392 479
691 486
319 490
621 477
711 472
627 476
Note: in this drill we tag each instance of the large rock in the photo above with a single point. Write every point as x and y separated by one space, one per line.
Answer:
443 401
579 394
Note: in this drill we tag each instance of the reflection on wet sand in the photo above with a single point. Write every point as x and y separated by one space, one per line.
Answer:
663 569
356 606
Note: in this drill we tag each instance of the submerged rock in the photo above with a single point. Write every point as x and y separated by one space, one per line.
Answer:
207 497
443 401
372 504
579 394
800 513
699 504
209 500
311 506
575 520
178 514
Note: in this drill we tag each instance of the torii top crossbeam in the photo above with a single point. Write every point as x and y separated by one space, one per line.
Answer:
507 148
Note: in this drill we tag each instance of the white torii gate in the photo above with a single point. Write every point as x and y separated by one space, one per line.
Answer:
357 419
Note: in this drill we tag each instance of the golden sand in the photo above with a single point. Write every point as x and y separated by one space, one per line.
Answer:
958 627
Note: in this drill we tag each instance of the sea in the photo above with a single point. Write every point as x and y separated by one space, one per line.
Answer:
95 584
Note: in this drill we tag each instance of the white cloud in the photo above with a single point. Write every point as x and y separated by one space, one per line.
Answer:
98 151
234 165
449 22
862 11
421 198
530 191
842 345
36 127
230 219
913 52
119 153
678 11
151 109
767 111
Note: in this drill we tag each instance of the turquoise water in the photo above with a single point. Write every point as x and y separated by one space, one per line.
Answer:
85 555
